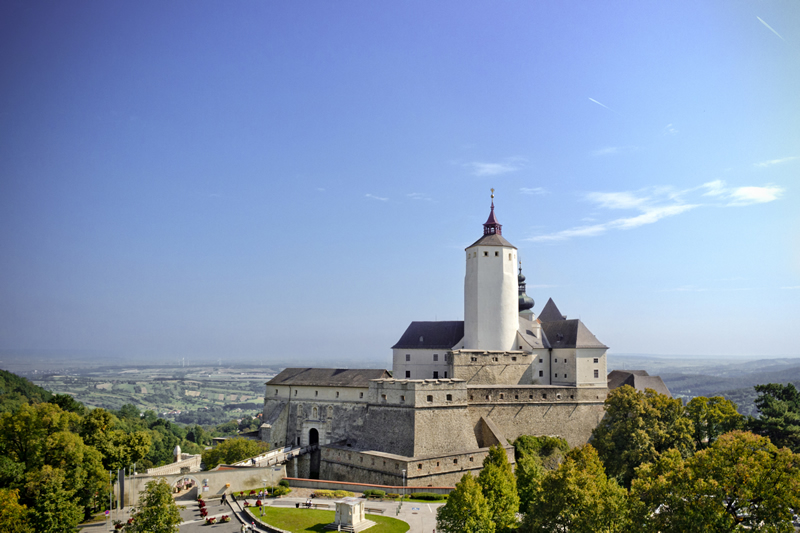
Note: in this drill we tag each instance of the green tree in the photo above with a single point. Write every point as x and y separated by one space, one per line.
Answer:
779 415
14 517
529 474
579 498
500 489
232 451
55 509
711 418
157 511
742 482
466 510
637 428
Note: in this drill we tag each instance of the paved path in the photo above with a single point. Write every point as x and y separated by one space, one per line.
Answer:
420 516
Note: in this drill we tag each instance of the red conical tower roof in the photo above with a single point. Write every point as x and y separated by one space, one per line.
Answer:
492 226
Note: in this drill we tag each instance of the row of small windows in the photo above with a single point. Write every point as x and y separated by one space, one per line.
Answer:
435 374
455 462
502 396
486 254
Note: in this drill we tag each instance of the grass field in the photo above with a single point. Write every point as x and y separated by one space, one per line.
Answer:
306 520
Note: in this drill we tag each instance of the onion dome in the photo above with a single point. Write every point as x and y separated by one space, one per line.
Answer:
525 301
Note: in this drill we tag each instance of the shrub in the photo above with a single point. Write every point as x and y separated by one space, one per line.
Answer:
281 491
374 493
283 483
430 496
211 520
323 494
224 518
246 503
258 503
392 495
342 493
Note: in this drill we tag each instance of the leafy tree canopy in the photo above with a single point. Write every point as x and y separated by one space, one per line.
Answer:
14 517
16 390
579 498
637 428
500 489
779 415
466 510
529 474
233 450
742 482
711 418
157 511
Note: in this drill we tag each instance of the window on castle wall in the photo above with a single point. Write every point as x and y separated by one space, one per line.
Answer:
430 398
408 373
408 357
541 360
471 459
316 393
530 396
337 393
544 396
402 398
514 358
541 373
436 357
360 394
437 463
509 257
295 392
596 360
555 360
383 397
445 374
556 375
485 254
276 392
497 254
516 396
449 397
419 466
596 374
455 461
502 396
435 374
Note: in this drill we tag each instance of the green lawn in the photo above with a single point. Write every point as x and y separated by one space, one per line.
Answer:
307 520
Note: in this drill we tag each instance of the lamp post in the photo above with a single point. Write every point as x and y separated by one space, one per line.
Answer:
264 481
404 484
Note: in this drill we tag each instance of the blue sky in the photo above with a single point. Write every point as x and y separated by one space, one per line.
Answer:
297 181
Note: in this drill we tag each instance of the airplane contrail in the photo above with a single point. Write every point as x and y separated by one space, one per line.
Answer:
598 103
770 29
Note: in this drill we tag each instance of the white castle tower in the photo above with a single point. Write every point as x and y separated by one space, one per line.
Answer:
491 291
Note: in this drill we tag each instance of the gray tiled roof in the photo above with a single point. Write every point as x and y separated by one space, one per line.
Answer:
638 379
570 334
441 335
526 328
329 377
550 312
492 240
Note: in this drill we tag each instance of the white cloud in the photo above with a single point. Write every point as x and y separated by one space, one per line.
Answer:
492 169
669 129
738 196
419 196
368 195
598 103
657 203
617 200
776 161
532 190
755 195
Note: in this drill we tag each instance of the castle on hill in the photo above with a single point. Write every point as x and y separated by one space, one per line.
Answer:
456 387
